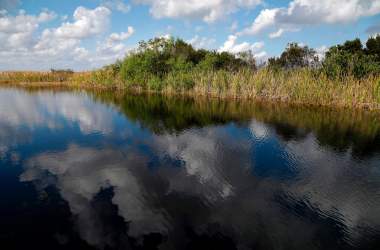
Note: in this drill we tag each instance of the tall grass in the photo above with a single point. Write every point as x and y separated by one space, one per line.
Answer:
303 86
33 76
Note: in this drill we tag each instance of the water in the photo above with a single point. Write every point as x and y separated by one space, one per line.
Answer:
102 170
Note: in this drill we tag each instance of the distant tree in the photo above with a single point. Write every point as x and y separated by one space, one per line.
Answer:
295 56
352 47
62 71
373 47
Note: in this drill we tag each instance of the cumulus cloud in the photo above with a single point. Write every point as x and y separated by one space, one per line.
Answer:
232 46
118 37
83 172
216 179
18 109
309 12
86 23
23 44
16 32
112 48
277 33
209 11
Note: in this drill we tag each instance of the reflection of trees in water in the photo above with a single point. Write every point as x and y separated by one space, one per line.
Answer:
337 128
117 200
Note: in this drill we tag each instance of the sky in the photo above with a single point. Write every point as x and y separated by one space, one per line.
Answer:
88 34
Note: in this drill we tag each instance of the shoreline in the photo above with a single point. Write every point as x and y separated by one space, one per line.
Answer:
68 85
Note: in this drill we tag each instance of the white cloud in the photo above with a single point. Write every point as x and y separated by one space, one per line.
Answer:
307 12
277 33
81 173
118 5
321 51
209 11
232 46
112 48
23 46
201 42
86 23
81 53
281 31
261 56
16 32
118 37
263 20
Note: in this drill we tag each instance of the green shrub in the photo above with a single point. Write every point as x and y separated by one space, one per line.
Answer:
155 83
180 81
341 63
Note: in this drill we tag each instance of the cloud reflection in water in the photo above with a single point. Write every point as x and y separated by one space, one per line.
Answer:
204 188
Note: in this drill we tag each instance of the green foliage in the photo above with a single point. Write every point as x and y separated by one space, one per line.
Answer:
352 59
160 59
180 81
155 83
373 47
294 56
352 47
173 66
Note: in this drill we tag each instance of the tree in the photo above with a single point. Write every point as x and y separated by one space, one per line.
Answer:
351 58
352 47
373 47
295 56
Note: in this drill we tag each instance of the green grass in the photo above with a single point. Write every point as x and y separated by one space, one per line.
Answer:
349 76
303 86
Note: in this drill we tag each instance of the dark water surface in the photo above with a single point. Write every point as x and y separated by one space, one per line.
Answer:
117 171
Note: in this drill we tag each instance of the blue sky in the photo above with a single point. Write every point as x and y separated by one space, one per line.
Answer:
86 34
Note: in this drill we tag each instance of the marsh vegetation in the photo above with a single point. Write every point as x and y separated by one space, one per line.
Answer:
348 76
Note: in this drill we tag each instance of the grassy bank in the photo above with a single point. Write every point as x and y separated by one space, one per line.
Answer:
301 86
349 76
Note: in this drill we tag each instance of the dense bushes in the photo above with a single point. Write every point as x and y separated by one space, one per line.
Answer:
160 62
351 58
344 60
169 61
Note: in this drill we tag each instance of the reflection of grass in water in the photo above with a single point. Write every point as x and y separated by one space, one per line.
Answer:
334 127
338 128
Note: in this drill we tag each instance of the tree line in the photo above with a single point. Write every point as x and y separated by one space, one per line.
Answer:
351 58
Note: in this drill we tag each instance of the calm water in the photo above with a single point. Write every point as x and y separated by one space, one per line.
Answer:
116 171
